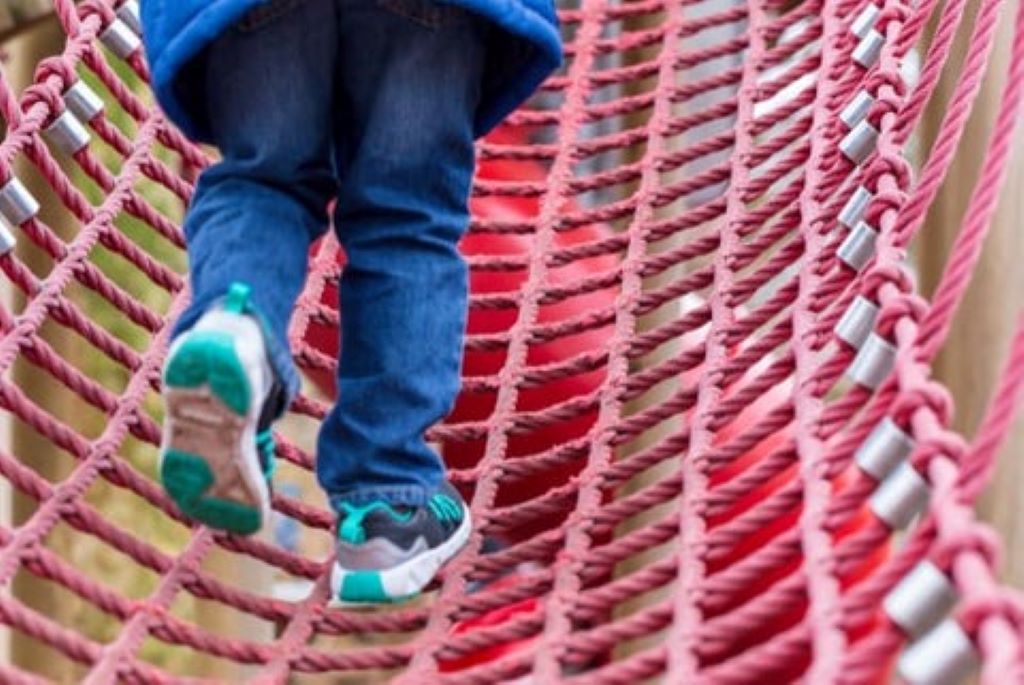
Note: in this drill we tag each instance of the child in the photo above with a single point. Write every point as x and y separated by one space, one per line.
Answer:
374 104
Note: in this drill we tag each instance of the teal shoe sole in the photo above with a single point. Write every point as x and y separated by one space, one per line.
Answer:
209 358
207 395
364 591
188 479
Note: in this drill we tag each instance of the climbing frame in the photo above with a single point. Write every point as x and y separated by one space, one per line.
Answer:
698 428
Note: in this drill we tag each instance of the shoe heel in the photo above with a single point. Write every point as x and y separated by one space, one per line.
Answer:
207 393
209 357
187 478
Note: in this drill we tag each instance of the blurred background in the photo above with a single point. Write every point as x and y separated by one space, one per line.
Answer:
29 33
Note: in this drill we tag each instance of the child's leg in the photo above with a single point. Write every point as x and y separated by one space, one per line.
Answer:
408 92
268 92
409 80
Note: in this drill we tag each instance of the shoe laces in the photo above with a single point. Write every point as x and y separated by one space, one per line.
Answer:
445 508
351 528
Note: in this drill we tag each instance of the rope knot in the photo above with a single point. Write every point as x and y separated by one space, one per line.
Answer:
944 443
896 167
877 81
886 273
892 13
1005 605
93 8
959 534
927 394
903 306
42 94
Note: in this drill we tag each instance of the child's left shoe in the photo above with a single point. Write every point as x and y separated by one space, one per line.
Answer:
389 553
217 452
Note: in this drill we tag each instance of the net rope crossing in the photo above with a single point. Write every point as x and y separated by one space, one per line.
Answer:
698 428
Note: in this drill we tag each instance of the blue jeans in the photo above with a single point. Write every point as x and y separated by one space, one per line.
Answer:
371 103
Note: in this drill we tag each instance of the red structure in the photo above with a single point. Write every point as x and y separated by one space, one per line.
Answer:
698 432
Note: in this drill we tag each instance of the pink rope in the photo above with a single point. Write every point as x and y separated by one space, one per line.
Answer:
709 522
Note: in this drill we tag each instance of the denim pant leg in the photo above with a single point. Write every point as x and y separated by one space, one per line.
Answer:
268 90
409 82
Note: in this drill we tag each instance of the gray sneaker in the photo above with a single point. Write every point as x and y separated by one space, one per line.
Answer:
389 553
217 451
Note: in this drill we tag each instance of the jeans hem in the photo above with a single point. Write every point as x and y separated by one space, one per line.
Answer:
405 495
280 357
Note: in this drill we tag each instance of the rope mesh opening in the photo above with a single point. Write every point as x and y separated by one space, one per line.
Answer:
663 425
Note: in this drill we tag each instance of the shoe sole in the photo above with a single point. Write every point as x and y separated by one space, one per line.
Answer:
361 588
209 465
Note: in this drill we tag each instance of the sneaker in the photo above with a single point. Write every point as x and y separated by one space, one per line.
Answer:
389 553
217 453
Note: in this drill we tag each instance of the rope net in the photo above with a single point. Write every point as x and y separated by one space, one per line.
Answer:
698 427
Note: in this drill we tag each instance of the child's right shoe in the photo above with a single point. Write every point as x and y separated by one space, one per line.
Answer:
387 553
217 453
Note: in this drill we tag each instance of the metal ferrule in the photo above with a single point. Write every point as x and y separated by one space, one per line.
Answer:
859 246
83 101
120 39
865 21
945 656
17 205
873 362
858 321
910 72
853 211
67 134
869 49
860 142
901 497
857 109
7 239
922 599
128 12
884 449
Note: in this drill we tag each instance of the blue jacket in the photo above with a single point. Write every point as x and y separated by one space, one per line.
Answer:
176 31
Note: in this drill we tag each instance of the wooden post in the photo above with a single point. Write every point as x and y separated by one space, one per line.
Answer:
33 44
17 16
976 350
